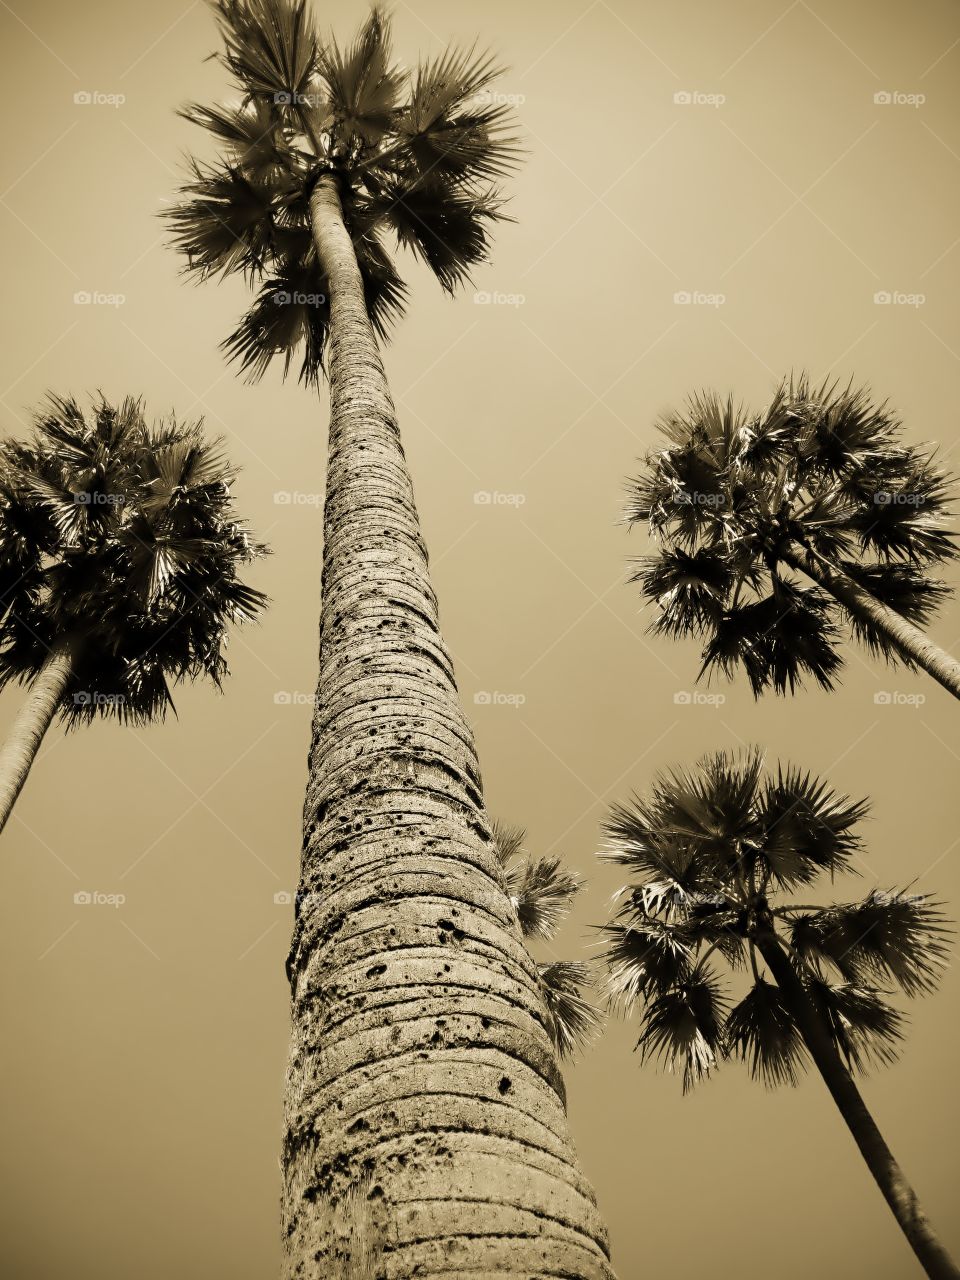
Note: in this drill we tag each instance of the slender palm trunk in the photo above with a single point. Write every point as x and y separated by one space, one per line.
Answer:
904 636
30 724
890 1178
425 1120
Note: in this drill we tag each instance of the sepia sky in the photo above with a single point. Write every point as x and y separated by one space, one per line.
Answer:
144 1044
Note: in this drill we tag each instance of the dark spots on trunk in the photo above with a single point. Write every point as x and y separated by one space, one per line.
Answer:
504 1087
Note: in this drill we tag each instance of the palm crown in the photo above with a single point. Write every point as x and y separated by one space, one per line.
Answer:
713 853
122 539
415 155
822 472
542 891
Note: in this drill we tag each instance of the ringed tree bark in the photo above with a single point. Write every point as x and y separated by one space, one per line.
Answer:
425 1117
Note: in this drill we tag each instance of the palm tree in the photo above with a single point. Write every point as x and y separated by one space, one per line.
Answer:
421 1060
119 560
819 486
542 891
712 852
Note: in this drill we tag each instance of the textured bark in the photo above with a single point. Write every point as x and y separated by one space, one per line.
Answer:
905 637
889 1177
30 724
425 1120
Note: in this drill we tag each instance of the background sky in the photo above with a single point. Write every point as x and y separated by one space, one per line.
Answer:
145 1044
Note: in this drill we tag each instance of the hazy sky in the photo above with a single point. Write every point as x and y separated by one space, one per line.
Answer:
144 1045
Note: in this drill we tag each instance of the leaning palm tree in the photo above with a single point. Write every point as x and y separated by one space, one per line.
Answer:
776 528
542 891
119 561
421 1058
713 854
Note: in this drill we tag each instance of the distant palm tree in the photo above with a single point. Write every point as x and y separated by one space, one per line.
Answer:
119 560
711 852
819 484
542 891
421 1053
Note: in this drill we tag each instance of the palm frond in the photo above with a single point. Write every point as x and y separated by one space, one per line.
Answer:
683 1028
571 1018
362 83
807 827
224 224
760 1030
863 1026
541 890
270 48
892 937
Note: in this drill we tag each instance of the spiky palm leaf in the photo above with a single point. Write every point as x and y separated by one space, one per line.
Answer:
736 498
571 1018
709 851
123 539
414 156
542 891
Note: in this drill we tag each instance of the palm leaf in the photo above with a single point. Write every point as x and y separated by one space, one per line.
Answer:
571 1018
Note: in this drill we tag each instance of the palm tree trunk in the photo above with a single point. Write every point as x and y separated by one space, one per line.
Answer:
904 636
30 724
424 1107
890 1178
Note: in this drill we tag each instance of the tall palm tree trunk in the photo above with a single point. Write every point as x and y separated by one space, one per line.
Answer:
421 1074
30 724
890 1178
905 636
